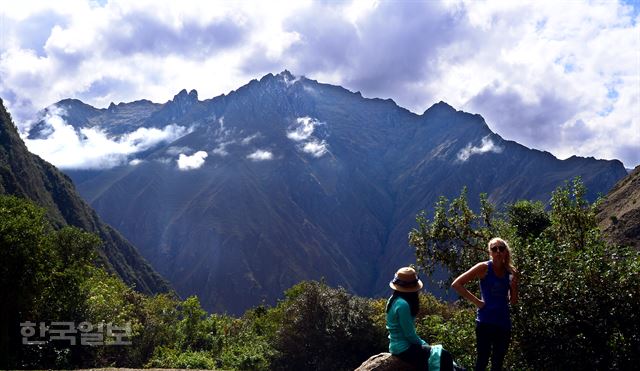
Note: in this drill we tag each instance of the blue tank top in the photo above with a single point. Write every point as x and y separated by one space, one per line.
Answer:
495 294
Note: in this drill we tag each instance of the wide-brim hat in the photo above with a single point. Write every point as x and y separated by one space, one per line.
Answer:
406 280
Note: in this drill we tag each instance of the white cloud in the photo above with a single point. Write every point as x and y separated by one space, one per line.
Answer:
91 148
220 150
260 155
194 161
496 57
135 161
247 140
315 148
486 145
302 129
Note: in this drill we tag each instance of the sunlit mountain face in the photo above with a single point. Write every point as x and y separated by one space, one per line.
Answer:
238 197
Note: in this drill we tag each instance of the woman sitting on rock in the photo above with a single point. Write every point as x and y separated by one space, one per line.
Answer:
404 343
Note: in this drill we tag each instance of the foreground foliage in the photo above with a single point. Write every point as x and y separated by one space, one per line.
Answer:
579 304
51 275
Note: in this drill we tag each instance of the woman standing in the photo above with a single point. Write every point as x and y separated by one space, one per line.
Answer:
404 343
498 287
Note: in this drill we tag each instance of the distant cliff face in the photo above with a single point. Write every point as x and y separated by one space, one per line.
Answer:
619 213
289 179
26 175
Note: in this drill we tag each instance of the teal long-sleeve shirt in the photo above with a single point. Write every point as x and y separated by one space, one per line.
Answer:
400 324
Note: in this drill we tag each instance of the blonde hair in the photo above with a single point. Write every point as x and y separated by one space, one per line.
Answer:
507 260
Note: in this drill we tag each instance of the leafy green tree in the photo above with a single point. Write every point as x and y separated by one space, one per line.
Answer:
158 316
26 259
450 325
41 275
325 329
528 218
194 332
456 238
578 295
579 304
249 341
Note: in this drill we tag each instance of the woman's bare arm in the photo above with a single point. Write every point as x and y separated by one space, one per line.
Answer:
476 272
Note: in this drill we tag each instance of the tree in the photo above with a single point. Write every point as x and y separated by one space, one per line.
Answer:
25 261
579 304
41 276
456 238
194 332
528 218
325 328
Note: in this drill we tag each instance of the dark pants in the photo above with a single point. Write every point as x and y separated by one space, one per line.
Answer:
419 358
491 340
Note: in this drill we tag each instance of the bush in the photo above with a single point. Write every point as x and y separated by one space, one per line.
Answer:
247 343
578 308
325 329
446 324
578 305
166 357
42 272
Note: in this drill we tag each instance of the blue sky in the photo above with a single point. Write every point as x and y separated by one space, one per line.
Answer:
559 76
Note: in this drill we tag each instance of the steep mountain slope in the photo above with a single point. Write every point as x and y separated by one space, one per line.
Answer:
26 175
304 180
619 212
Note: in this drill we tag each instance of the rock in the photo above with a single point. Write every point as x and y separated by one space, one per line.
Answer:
385 362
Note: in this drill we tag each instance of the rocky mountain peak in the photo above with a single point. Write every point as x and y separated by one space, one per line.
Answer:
184 97
286 75
283 80
440 107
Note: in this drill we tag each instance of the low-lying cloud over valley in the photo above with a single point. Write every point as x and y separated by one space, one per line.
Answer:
92 148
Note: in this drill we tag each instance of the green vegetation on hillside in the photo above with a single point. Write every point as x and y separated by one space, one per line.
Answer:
24 174
578 299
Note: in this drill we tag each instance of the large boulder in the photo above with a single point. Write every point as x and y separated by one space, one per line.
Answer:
385 362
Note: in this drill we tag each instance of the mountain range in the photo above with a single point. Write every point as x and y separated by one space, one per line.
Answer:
287 179
26 175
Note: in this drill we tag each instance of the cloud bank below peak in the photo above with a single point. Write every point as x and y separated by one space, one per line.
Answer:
92 148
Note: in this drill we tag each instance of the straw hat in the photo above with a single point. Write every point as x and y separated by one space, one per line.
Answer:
406 280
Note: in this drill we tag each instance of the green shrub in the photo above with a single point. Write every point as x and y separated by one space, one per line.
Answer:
578 307
455 332
325 328
166 357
